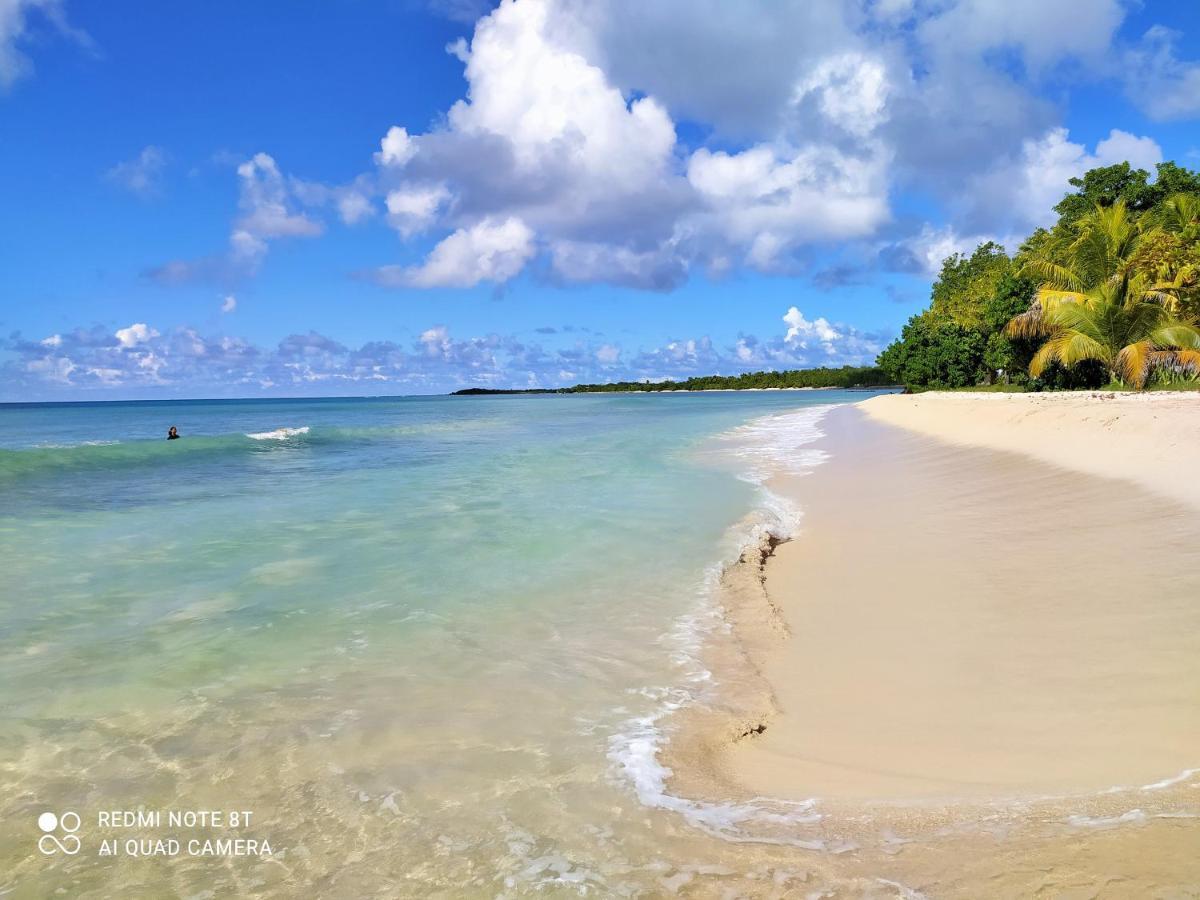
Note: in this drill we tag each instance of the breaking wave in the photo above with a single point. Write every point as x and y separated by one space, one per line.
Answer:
279 434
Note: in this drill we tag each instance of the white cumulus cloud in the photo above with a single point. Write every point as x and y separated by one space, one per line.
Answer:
490 250
567 154
264 201
137 333
767 199
803 332
1021 193
396 148
269 209
527 87
812 118
414 208
851 91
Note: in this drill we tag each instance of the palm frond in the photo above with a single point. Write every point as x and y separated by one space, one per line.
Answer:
1173 335
1075 347
1165 299
1179 211
1050 297
1178 362
1133 363
1097 302
1046 354
1054 275
1029 324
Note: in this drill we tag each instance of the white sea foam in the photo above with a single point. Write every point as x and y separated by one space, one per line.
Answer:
635 751
770 446
1167 782
762 448
68 446
1134 815
775 443
1183 776
279 434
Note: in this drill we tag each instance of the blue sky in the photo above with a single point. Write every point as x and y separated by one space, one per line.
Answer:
353 197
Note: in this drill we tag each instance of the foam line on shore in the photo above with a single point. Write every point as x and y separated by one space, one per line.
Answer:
760 449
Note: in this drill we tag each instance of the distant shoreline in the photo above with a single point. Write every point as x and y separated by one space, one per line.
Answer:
845 377
489 392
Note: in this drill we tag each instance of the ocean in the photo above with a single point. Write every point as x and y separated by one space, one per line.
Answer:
425 646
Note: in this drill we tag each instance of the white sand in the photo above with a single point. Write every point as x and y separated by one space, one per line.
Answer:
989 659
1150 439
970 623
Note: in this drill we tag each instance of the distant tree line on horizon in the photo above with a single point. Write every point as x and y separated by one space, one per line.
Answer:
844 377
1109 295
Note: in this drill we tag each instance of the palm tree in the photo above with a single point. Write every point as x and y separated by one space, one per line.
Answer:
1180 214
1100 307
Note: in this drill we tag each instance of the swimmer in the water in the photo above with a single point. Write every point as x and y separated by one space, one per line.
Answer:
172 433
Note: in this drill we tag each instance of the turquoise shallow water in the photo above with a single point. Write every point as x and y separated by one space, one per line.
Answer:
408 633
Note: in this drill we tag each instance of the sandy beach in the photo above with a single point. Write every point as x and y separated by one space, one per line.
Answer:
987 627
1152 439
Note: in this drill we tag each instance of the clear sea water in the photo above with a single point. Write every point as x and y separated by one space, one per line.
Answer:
430 643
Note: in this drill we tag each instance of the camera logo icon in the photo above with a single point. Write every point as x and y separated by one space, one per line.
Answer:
52 827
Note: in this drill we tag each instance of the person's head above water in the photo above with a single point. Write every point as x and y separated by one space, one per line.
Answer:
172 433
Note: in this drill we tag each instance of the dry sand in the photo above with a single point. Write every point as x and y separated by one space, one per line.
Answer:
967 623
995 653
1151 439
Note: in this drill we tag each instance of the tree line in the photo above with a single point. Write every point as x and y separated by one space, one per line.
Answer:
828 377
844 377
1109 295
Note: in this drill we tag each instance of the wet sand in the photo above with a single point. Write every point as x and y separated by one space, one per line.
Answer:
994 656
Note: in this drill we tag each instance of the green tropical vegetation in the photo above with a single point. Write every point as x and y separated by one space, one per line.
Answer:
844 377
1109 295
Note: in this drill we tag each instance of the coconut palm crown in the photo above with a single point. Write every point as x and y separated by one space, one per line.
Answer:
1099 306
